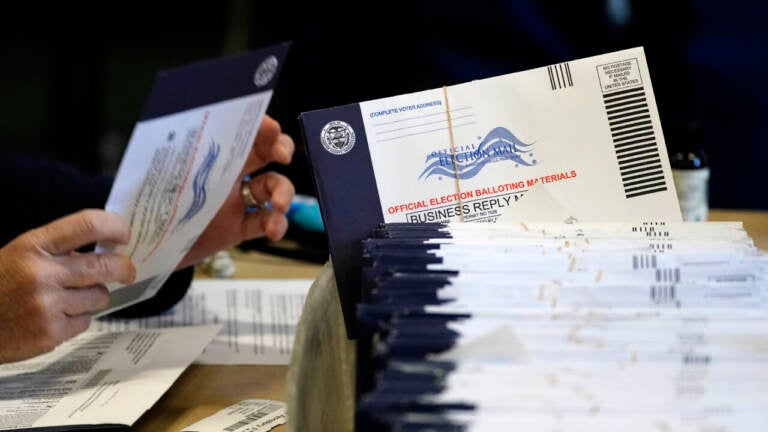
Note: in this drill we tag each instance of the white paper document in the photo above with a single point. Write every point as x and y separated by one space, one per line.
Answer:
259 318
250 415
182 160
97 378
566 326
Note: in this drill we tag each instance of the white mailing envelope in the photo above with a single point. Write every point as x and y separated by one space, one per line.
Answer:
587 130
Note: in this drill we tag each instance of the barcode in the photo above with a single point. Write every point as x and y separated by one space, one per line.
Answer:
671 275
560 76
634 141
643 261
660 247
250 418
664 294
96 378
695 358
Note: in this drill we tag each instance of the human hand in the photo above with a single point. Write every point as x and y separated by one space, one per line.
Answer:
48 291
232 225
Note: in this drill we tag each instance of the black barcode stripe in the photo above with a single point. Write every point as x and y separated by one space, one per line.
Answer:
639 164
627 149
635 190
645 186
668 275
628 185
616 94
551 78
646 192
96 378
633 136
632 152
643 174
562 74
637 141
639 170
629 94
644 261
663 294
636 159
559 76
623 109
625 152
634 141
631 125
637 129
632 162
611 118
629 145
640 100
250 418
628 119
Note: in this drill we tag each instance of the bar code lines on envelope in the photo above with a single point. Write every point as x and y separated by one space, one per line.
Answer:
634 140
560 76
250 418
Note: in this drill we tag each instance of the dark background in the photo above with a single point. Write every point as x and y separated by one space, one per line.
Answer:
75 75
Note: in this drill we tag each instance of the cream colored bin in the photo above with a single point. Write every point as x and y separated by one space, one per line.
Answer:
321 375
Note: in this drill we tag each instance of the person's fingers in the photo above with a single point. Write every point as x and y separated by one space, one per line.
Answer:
266 223
79 301
73 326
79 229
270 145
87 269
279 150
274 188
284 149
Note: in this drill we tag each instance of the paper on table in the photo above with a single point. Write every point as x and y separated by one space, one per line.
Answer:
259 317
250 415
183 157
97 379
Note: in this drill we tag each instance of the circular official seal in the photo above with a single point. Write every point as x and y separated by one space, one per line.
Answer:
338 137
265 71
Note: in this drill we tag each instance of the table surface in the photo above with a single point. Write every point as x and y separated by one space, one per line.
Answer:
203 390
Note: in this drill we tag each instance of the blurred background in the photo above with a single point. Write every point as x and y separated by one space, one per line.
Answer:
75 74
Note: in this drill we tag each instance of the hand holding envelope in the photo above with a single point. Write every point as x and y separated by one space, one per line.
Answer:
180 183
232 225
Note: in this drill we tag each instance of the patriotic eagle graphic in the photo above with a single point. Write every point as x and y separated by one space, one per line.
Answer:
500 144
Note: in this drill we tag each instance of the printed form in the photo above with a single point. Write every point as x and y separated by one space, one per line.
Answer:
97 378
259 318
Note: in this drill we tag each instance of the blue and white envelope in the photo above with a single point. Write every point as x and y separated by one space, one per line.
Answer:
586 130
186 151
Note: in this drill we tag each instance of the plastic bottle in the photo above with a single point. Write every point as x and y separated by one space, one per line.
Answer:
690 171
